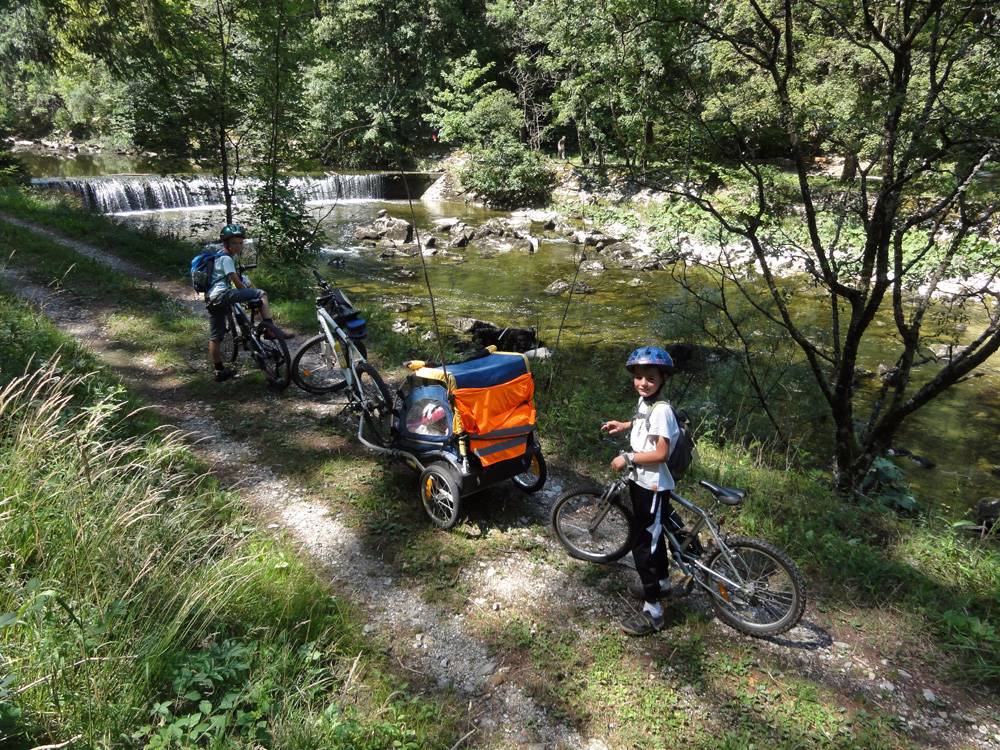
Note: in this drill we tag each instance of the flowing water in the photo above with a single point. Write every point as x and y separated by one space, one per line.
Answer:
957 431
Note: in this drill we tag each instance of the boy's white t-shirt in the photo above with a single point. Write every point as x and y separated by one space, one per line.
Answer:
662 422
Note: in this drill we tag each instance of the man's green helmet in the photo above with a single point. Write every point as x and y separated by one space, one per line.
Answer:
232 230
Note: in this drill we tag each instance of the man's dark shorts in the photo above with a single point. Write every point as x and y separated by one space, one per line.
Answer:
218 309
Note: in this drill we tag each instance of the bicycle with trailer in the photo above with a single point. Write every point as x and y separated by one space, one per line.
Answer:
753 586
464 426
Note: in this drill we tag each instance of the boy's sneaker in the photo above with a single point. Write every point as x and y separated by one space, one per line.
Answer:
642 623
224 374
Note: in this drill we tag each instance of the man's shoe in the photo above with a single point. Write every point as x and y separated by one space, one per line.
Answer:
642 623
674 591
224 374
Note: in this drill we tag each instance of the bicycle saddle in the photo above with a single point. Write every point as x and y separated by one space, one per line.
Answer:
725 495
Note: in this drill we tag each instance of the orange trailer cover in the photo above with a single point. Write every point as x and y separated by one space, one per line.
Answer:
498 418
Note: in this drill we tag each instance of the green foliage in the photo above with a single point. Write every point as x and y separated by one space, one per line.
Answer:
472 113
13 172
886 484
141 607
284 231
506 174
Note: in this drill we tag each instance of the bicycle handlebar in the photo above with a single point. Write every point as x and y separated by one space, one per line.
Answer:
319 279
248 266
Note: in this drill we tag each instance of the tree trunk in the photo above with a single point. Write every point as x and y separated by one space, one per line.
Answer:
223 93
850 170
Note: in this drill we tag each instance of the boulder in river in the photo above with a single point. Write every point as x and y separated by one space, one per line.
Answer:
385 227
559 286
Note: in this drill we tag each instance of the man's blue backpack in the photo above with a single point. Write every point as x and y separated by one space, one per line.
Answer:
202 266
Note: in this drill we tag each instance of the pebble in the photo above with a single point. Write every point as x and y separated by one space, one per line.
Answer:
887 687
904 674
929 695
367 629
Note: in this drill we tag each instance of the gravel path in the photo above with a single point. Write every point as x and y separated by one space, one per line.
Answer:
440 646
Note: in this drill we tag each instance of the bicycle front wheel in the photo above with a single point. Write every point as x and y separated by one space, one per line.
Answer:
316 369
765 594
376 405
591 527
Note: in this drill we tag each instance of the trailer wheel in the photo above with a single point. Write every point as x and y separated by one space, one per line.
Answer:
441 494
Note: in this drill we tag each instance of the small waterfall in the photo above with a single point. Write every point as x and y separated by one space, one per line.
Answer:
123 194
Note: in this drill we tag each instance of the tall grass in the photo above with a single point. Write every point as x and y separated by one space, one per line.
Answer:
140 609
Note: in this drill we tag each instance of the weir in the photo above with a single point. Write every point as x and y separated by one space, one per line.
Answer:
115 194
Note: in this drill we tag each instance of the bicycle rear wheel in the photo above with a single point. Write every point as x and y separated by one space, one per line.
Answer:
316 368
275 362
590 527
376 405
229 346
771 593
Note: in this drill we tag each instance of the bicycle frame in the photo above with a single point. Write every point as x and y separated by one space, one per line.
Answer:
343 348
690 564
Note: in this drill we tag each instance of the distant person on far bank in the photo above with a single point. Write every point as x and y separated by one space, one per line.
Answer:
227 287
561 147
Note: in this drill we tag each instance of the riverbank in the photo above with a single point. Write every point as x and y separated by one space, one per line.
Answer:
660 228
884 587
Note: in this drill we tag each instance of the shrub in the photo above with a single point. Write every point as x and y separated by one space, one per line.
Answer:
12 170
507 174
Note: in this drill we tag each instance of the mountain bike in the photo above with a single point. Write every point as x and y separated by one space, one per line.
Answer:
753 586
336 360
244 331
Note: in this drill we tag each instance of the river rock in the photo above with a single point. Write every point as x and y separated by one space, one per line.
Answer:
537 216
446 224
585 237
593 266
519 246
947 352
403 326
560 286
619 251
385 227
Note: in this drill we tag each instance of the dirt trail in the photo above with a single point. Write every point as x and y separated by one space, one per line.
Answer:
440 645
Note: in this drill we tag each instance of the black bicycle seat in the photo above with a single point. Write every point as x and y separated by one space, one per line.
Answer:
725 495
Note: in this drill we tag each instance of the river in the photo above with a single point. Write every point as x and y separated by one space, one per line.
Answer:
957 431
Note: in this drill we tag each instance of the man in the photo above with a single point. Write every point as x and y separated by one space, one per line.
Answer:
229 288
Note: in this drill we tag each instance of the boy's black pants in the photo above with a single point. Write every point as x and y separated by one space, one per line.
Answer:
651 512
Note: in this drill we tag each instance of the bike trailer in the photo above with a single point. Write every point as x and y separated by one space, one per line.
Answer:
470 425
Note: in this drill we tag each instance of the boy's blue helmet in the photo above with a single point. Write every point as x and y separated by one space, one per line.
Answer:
650 355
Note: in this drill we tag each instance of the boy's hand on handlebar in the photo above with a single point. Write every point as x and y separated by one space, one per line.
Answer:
613 427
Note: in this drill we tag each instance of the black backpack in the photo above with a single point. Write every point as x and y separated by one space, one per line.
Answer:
682 454
683 451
